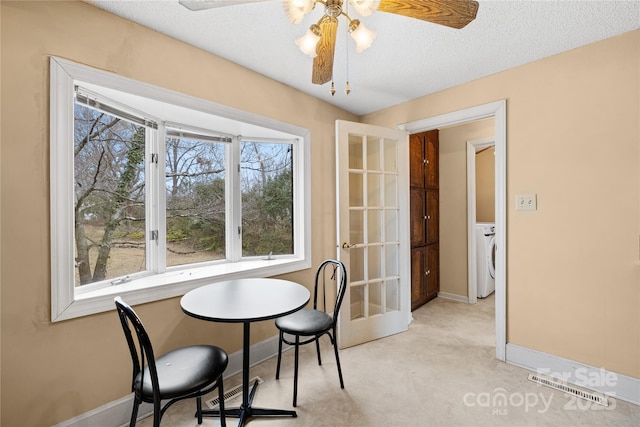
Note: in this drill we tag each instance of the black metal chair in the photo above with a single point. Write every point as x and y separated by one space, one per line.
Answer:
182 373
311 324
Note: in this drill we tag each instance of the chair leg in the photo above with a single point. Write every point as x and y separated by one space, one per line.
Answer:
199 409
318 350
279 356
223 422
295 372
157 413
134 412
335 349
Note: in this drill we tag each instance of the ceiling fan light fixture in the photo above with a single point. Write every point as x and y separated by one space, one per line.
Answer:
297 9
309 41
365 7
361 34
333 8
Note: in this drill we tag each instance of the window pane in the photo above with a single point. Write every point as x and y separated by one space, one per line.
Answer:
195 185
109 181
266 173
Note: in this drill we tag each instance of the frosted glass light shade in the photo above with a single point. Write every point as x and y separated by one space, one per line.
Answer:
363 37
297 9
365 7
308 42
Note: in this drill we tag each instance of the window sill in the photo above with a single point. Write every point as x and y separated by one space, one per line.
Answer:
172 284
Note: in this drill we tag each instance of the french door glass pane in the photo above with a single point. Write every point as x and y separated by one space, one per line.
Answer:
391 225
356 263
266 175
390 157
375 298
374 226
356 227
391 260
374 262
391 190
392 299
374 190
355 151
373 154
109 185
356 190
357 302
195 193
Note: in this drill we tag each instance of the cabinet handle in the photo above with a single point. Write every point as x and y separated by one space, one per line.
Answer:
347 245
425 217
426 273
428 216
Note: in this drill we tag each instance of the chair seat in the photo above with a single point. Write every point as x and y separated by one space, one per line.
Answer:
305 322
176 373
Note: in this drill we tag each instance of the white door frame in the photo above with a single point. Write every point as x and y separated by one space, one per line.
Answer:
472 148
497 110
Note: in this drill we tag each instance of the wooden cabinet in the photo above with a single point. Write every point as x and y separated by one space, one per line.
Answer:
423 160
424 217
424 274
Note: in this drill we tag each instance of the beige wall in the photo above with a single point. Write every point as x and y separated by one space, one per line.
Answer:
52 372
453 203
570 105
486 185
573 282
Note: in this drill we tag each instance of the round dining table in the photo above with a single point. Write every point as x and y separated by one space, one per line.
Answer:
246 301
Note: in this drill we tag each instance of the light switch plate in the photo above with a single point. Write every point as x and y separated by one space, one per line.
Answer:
526 202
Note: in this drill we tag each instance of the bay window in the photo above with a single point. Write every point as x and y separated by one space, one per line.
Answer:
154 193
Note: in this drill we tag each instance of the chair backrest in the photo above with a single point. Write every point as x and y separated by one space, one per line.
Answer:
333 272
142 353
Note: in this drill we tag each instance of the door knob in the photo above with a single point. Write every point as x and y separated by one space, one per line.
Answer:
347 245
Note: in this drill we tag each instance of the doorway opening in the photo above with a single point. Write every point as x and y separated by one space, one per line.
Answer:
497 110
477 209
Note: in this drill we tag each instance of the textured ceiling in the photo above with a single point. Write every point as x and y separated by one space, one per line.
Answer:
409 58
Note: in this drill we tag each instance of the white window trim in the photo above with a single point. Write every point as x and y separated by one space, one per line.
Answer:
68 302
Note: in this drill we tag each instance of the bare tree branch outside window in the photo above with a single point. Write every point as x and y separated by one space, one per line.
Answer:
109 218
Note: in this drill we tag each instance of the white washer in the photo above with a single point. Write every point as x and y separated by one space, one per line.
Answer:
486 258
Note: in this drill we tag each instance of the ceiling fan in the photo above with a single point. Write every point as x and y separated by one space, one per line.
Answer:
320 40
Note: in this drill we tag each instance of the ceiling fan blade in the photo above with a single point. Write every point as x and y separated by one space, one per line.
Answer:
210 4
323 63
450 13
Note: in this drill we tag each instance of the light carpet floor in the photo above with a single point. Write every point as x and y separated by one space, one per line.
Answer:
441 372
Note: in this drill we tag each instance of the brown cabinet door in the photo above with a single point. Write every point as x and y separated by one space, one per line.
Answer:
418 202
432 272
433 221
425 275
432 163
416 160
418 268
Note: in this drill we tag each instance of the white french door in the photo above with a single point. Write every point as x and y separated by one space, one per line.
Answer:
373 230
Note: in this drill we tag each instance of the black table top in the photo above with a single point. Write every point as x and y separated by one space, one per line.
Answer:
245 300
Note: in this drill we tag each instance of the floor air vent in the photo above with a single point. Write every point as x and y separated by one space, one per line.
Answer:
591 396
230 394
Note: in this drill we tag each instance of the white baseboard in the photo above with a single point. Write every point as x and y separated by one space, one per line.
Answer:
597 379
118 412
454 297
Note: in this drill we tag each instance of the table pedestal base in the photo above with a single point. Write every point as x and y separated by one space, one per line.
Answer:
244 412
